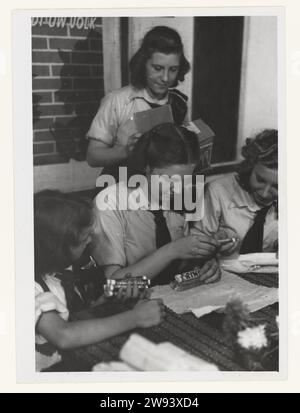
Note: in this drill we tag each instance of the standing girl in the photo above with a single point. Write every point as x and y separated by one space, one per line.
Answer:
156 68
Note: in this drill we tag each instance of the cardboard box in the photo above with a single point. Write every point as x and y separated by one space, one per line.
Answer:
206 139
148 119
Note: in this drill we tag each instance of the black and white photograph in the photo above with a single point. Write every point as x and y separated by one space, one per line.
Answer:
153 142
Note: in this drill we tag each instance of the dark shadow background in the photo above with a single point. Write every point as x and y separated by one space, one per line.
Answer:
216 80
82 102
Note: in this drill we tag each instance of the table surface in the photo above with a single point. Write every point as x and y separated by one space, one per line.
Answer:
202 337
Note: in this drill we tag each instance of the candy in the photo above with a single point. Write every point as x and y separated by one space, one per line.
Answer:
186 280
112 287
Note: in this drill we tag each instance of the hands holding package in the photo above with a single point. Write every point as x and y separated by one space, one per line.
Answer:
200 249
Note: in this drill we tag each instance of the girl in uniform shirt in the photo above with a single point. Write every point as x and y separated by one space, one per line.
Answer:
142 241
244 205
155 70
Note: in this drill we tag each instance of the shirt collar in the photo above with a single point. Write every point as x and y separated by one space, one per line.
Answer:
143 94
241 198
138 200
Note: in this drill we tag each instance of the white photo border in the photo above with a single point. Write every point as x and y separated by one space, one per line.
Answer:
23 173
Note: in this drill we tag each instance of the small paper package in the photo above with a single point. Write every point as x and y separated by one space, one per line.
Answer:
205 138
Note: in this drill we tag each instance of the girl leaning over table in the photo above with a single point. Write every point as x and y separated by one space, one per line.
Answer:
63 229
155 70
244 205
154 242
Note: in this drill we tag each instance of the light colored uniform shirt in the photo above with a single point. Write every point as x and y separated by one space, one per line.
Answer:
127 236
111 124
228 205
45 301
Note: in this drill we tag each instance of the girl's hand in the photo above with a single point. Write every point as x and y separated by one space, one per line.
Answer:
210 272
132 140
148 313
129 292
229 247
194 246
101 300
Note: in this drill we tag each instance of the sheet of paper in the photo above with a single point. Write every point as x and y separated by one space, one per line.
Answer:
265 263
199 312
209 297
260 258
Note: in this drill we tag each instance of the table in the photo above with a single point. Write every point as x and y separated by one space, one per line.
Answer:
202 337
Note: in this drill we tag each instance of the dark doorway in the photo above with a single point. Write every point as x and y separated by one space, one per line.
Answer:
124 28
216 80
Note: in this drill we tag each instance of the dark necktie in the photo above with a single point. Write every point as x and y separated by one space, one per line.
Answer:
163 237
253 241
75 295
178 102
162 232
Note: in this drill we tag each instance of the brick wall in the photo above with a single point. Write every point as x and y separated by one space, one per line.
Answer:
67 84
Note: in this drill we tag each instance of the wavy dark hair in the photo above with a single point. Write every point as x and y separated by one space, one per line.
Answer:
260 149
164 145
59 221
161 39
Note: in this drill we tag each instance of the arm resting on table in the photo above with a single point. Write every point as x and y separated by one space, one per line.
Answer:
65 335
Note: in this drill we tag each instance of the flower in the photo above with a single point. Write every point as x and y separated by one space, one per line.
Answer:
253 338
237 317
